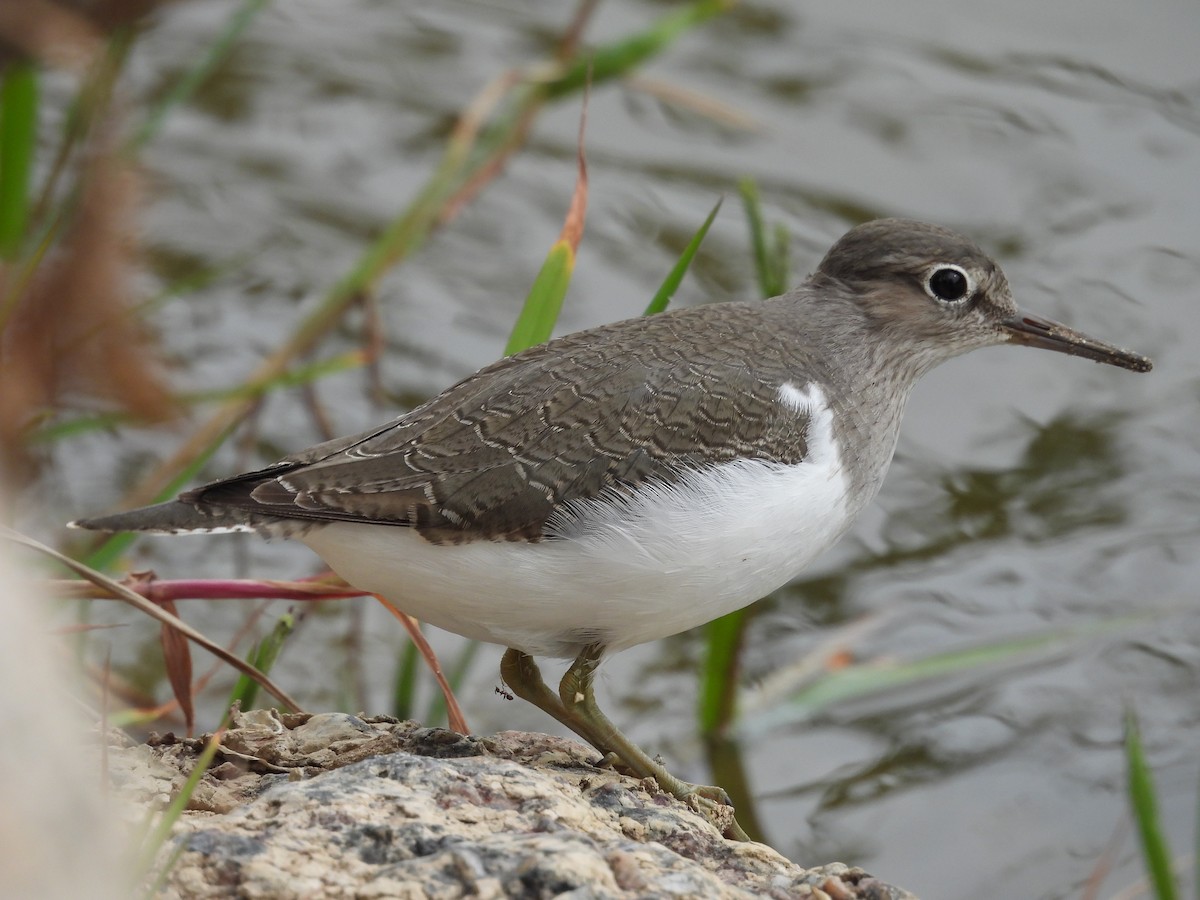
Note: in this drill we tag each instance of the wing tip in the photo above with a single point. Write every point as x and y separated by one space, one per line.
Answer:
173 517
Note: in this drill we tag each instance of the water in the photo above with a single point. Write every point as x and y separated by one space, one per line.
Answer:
1031 492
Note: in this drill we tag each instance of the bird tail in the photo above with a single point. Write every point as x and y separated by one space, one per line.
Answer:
172 517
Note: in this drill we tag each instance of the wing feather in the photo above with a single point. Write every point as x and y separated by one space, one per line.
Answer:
497 454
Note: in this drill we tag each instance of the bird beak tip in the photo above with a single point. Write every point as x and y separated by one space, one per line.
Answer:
1036 331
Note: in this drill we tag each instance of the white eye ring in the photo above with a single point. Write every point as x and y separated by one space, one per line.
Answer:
948 283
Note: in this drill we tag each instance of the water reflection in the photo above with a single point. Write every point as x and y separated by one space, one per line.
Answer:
1057 485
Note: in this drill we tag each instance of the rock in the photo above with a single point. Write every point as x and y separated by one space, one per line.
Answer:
337 806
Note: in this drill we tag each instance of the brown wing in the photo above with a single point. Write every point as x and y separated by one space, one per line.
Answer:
494 456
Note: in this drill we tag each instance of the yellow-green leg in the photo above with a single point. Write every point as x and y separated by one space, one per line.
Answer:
575 707
524 678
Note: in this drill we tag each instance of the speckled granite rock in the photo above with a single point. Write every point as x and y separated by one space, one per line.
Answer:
335 806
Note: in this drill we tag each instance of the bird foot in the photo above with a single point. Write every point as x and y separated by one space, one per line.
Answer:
709 801
613 762
712 802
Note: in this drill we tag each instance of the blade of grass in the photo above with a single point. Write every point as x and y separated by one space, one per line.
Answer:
856 681
262 656
779 257
770 253
155 888
728 768
671 283
295 377
536 321
162 829
719 676
621 57
298 376
542 306
18 143
758 237
213 56
77 425
404 686
135 718
1155 853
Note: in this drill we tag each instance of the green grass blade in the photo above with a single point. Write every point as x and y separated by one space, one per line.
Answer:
298 376
162 830
617 59
770 253
155 888
57 431
198 73
718 678
262 656
671 283
404 687
874 677
545 299
1155 853
18 143
779 260
758 237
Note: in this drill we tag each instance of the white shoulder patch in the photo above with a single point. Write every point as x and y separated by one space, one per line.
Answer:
822 447
801 400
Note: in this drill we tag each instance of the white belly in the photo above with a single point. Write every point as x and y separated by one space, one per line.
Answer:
622 570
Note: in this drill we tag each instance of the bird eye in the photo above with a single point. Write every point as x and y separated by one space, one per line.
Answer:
948 284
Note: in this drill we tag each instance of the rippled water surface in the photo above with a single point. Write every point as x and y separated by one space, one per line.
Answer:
1031 494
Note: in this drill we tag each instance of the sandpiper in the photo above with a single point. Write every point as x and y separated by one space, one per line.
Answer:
632 481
